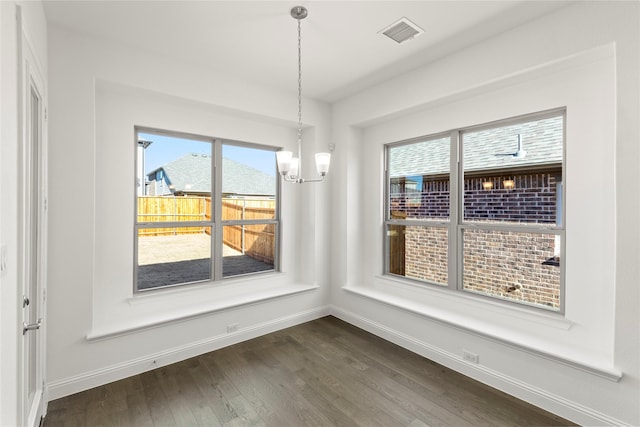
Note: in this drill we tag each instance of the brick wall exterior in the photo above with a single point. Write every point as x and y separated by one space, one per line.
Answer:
503 264
509 265
426 253
432 202
533 200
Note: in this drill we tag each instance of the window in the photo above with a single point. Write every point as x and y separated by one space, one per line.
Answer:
479 210
206 209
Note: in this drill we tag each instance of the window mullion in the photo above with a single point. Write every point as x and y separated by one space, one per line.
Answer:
249 221
216 214
173 224
516 228
386 214
455 198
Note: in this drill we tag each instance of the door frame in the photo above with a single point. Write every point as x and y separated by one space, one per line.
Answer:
31 77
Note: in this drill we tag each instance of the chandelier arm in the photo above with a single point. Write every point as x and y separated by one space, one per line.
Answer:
301 180
288 178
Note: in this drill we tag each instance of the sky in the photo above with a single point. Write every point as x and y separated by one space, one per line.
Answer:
165 149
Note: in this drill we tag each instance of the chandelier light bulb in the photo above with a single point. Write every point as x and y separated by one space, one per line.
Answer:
295 167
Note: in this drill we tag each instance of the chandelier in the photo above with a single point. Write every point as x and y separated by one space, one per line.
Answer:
290 167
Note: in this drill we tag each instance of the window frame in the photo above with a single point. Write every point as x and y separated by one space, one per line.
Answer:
434 223
216 223
222 223
456 223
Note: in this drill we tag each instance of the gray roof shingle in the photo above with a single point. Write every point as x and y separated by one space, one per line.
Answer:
484 149
191 173
245 180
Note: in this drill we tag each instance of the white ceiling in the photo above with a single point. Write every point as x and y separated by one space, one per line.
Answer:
342 50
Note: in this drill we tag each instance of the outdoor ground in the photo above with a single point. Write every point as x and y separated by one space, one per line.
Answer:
184 258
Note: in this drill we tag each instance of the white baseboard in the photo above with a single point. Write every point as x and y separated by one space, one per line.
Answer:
543 399
85 381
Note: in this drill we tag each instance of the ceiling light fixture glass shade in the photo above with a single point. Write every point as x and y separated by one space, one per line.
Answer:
284 161
323 160
290 167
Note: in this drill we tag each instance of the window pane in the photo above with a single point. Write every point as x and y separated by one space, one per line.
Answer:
418 252
249 187
512 265
419 180
173 256
248 248
249 176
173 179
514 173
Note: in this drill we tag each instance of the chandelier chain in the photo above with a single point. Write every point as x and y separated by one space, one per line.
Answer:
299 83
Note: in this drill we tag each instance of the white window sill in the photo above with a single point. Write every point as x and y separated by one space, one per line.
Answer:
234 284
463 322
518 311
210 306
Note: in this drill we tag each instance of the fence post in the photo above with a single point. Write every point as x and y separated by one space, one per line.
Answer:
175 217
244 207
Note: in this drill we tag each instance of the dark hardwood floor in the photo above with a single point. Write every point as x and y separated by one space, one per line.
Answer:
321 373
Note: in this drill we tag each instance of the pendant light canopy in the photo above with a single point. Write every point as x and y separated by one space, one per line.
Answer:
290 167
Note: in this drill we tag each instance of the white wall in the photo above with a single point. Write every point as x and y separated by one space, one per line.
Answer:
8 221
98 330
35 28
585 57
587 51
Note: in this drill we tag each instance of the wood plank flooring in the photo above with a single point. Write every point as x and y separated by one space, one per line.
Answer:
321 373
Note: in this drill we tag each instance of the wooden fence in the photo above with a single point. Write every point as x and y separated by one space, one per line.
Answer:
397 245
255 240
172 209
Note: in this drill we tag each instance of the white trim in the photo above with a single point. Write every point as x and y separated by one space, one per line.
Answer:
495 379
521 311
112 331
87 380
32 181
602 372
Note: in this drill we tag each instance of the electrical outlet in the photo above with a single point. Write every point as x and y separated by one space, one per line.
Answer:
233 327
470 357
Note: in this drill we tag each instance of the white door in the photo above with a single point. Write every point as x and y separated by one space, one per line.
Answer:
32 233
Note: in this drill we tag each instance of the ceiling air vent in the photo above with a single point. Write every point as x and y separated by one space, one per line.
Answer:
402 30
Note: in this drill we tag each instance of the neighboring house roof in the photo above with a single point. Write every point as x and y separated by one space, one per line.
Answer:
484 150
191 173
242 179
